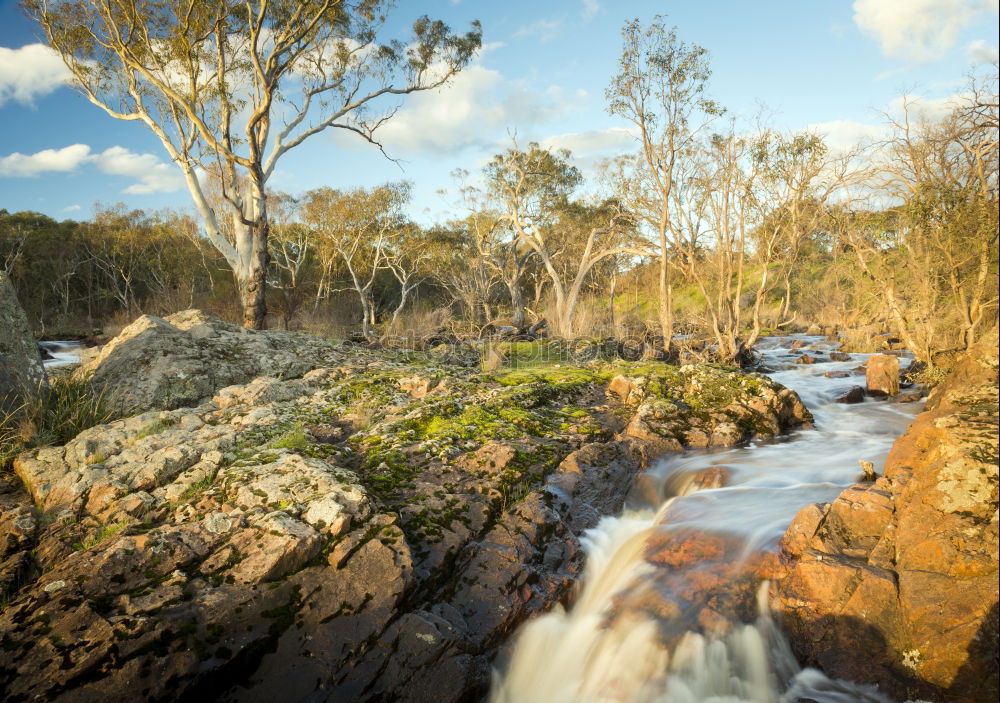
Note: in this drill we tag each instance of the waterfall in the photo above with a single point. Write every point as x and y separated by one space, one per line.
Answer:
637 630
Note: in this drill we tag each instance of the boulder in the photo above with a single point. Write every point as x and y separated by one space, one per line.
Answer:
839 356
185 358
882 375
332 537
910 396
895 582
21 372
417 386
807 359
855 395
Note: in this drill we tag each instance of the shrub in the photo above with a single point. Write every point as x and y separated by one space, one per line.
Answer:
54 417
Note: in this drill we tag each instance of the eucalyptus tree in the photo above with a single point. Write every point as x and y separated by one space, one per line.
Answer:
292 256
230 86
929 239
799 179
660 88
569 238
462 257
500 252
367 230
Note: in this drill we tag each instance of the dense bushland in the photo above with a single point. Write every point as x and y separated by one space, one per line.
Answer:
714 227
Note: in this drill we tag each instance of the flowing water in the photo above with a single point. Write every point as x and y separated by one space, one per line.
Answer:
63 353
649 627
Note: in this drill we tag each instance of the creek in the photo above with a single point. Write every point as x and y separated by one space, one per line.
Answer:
640 629
62 353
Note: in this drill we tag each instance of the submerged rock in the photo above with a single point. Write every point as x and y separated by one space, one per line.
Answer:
895 582
855 395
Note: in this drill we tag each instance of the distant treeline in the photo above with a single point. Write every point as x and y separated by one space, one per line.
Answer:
757 231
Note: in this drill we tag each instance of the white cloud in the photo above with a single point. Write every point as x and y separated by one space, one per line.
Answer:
20 165
926 109
30 72
590 148
151 174
594 142
917 30
842 135
72 208
590 8
545 30
476 109
981 51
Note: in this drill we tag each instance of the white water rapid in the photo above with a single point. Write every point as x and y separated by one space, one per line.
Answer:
638 632
63 353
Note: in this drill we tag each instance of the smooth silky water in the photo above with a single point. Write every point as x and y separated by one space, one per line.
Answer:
63 353
600 651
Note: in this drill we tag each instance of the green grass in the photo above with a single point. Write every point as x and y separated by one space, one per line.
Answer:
103 534
293 439
156 427
55 416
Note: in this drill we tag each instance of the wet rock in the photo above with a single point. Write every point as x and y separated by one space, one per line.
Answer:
808 359
712 477
837 374
855 395
597 478
894 583
360 533
910 396
882 375
703 583
839 356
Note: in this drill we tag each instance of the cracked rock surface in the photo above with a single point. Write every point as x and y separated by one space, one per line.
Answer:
371 526
895 582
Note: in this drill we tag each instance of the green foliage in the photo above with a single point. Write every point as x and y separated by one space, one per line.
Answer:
101 535
58 414
155 428
295 439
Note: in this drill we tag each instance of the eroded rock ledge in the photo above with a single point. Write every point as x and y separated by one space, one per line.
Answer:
895 583
371 531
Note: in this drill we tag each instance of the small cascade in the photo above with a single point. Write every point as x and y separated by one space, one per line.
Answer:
670 608
61 353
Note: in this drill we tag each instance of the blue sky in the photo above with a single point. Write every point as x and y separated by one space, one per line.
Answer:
830 66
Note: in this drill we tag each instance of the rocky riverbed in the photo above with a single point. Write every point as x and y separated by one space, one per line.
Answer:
281 517
895 582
